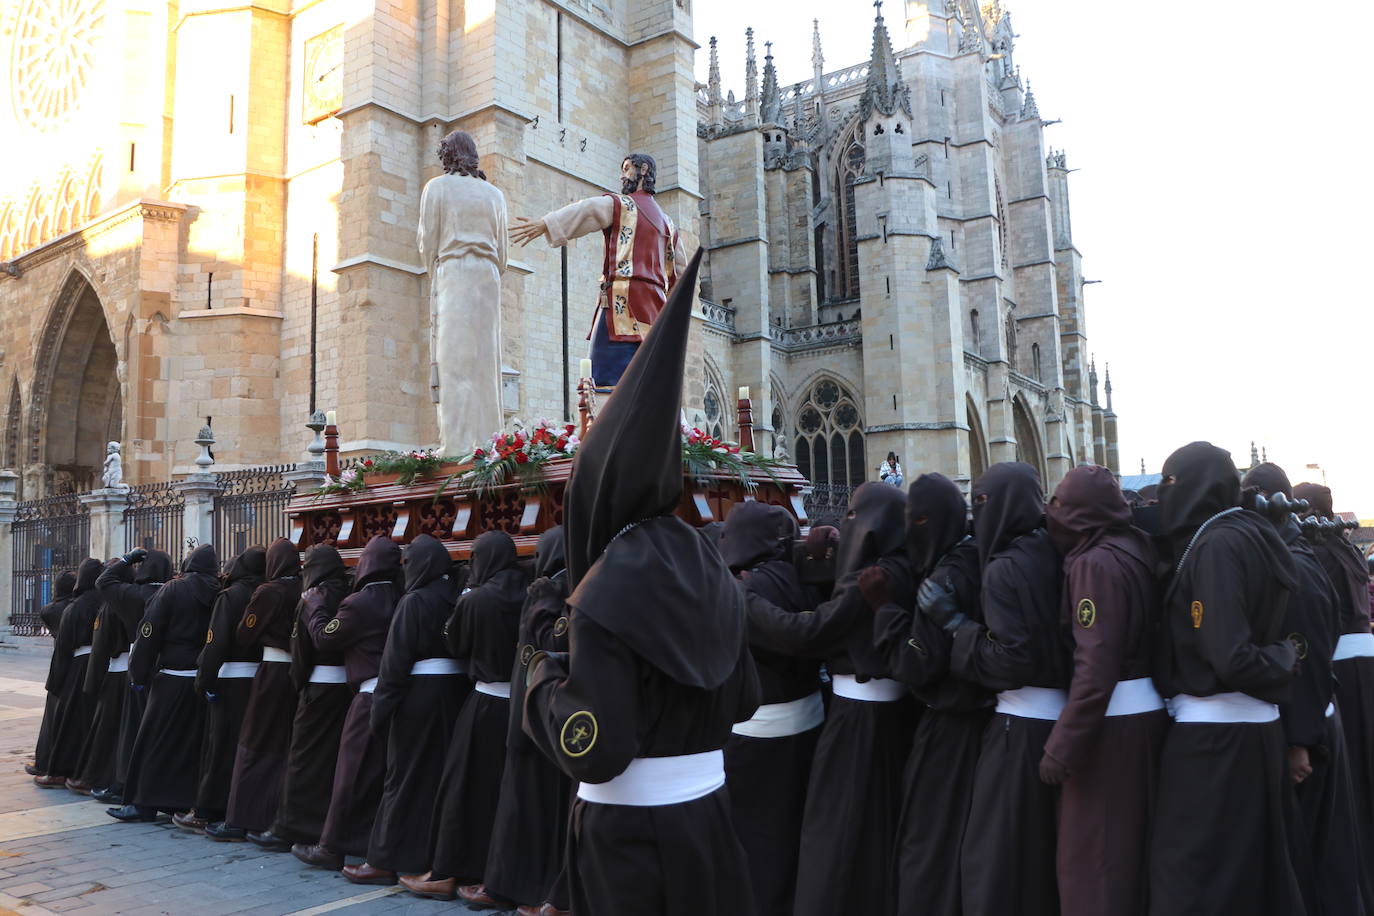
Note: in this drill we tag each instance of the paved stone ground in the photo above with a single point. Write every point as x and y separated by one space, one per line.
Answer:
60 852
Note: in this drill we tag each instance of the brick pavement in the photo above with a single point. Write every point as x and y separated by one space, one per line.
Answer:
60 852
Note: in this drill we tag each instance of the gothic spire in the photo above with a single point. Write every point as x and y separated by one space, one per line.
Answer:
1107 387
751 80
770 107
1254 454
817 58
1029 109
884 75
713 80
1092 381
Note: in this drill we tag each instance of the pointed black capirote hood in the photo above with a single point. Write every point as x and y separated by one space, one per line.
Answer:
629 467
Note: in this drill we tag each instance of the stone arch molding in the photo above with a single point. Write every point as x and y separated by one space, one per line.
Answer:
68 200
48 348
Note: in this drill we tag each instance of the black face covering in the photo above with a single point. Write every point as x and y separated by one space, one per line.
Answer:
1268 477
492 552
203 560
156 567
1204 482
629 467
283 559
873 529
751 535
249 566
426 560
936 520
549 559
323 564
380 562
1007 502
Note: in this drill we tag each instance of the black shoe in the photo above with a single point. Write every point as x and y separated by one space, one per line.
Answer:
110 796
32 770
132 814
269 841
225 833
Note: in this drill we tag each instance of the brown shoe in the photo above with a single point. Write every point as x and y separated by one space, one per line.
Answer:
187 820
366 874
319 856
528 910
422 886
477 897
79 787
549 909
50 782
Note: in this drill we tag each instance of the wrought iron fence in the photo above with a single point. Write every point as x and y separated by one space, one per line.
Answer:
154 519
250 508
827 504
50 536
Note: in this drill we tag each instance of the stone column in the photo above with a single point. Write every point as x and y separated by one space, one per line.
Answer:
198 520
107 507
9 506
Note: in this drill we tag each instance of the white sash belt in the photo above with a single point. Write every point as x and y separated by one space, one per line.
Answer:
1354 645
436 666
1330 710
1221 708
1033 702
1133 697
653 781
270 654
781 720
368 685
83 650
238 669
328 674
495 688
178 672
119 663
878 690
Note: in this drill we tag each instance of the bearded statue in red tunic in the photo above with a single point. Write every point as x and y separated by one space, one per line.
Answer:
640 265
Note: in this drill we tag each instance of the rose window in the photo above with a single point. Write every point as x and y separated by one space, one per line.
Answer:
54 54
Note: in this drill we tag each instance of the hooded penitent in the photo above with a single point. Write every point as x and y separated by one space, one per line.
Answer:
425 561
873 528
1088 509
380 562
752 534
686 618
936 520
1342 560
494 562
550 557
1007 502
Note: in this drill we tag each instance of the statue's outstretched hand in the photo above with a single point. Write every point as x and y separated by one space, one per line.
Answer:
526 230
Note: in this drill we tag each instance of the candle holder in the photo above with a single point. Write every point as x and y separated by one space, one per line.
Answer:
745 408
331 450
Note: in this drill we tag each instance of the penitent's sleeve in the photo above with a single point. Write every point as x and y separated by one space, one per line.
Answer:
998 656
582 708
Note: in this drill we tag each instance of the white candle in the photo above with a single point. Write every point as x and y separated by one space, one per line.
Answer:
584 368
744 393
329 418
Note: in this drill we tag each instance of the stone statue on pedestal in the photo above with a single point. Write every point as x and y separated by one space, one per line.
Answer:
112 474
462 240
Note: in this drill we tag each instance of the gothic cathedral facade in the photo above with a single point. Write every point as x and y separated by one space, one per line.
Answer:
210 212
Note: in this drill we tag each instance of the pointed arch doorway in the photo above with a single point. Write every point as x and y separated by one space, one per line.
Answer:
77 406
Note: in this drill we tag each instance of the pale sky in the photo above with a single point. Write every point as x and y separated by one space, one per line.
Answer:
1222 199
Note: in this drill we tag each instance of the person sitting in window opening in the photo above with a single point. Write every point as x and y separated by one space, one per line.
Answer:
890 470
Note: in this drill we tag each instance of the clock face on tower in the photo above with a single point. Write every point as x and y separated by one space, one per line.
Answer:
53 55
323 77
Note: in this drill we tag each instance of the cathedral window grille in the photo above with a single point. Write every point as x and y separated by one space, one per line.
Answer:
713 413
830 441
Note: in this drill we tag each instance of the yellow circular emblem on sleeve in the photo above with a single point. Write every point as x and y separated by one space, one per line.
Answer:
332 626
1196 611
295 627
525 655
1086 614
96 625
250 621
579 734
146 630
560 626
1300 643
915 645
209 636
